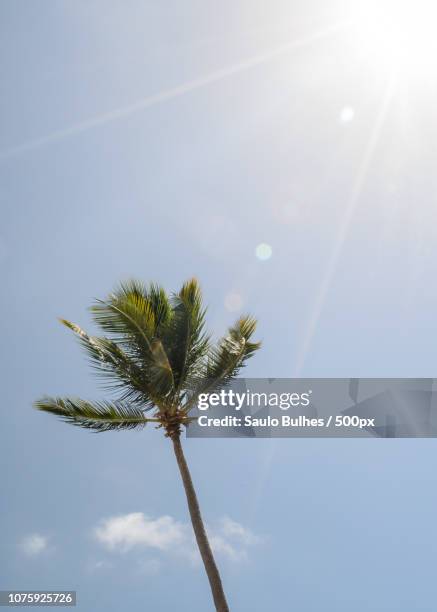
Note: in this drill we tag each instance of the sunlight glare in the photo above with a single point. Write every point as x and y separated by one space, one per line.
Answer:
398 36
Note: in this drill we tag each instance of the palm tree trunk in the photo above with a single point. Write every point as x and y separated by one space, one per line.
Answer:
199 529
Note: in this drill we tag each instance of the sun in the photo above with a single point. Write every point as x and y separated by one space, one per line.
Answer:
398 36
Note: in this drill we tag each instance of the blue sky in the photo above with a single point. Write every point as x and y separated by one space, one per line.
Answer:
166 140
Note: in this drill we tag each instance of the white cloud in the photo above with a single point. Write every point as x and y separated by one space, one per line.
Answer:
232 540
122 533
221 546
34 544
135 529
234 530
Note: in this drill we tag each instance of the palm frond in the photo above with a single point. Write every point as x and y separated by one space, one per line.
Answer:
120 372
184 339
160 305
131 318
230 355
98 416
227 358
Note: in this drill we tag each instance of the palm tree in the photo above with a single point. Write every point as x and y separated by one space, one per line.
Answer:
157 357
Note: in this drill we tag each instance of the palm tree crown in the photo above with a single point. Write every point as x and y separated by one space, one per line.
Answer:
156 357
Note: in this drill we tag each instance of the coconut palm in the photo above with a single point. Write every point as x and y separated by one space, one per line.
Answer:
157 358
